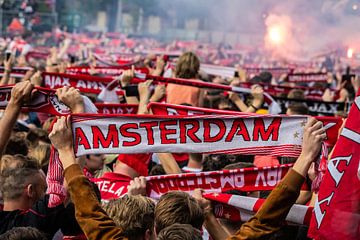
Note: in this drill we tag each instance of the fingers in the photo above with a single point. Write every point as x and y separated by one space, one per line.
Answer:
137 186
27 91
311 121
318 125
68 121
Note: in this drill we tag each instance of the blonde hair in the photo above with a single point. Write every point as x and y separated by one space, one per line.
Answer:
41 153
134 214
47 124
187 66
9 162
178 207
180 231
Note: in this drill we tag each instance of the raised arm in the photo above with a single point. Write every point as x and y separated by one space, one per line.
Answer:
55 179
7 70
91 217
20 94
273 212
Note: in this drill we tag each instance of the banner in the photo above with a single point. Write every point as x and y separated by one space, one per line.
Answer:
240 208
43 100
255 135
337 208
331 124
307 77
245 179
104 108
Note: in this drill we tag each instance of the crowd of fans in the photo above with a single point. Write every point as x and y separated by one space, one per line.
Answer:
38 205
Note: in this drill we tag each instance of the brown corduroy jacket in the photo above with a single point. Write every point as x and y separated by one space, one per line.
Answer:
272 214
97 225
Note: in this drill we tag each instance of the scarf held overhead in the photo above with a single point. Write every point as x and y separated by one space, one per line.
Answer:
257 135
43 100
246 179
241 208
331 124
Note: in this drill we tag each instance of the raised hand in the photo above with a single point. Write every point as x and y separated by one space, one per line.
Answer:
72 98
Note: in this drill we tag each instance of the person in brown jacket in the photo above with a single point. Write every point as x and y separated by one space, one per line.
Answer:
97 225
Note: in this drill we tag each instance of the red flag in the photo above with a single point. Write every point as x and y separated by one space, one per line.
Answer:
337 210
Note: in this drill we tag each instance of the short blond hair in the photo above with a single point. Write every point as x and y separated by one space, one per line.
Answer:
180 231
178 207
41 153
17 161
134 214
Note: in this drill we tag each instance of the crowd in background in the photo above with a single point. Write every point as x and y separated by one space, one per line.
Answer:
38 203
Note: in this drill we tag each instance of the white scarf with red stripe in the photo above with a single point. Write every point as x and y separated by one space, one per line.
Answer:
246 180
256 135
331 124
43 100
241 208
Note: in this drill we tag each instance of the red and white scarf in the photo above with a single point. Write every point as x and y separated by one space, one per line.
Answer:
332 124
43 100
111 71
241 208
274 108
307 77
336 211
246 179
113 108
256 135
16 72
275 90
229 72
85 83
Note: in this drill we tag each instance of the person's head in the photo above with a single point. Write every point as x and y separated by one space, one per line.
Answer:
132 165
17 161
187 66
94 162
179 232
197 157
22 186
177 207
37 136
23 233
134 214
215 162
47 124
41 153
297 109
296 94
157 170
17 144
266 77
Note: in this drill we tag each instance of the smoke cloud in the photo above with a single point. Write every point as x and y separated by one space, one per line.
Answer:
311 26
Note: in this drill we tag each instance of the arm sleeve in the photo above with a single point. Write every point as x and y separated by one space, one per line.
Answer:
91 217
55 180
272 214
